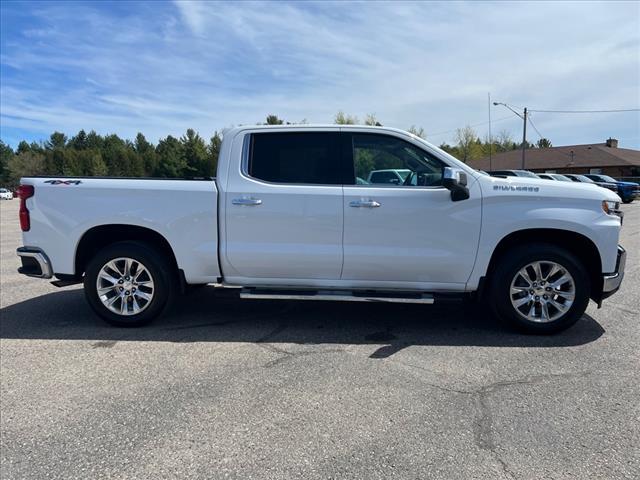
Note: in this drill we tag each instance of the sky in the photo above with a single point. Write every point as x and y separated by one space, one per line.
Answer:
162 67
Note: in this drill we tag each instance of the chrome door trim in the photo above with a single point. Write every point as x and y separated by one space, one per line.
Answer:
247 201
364 204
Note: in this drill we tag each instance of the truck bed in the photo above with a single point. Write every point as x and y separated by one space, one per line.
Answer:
64 210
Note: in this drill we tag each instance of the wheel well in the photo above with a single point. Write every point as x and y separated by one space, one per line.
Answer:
96 238
579 245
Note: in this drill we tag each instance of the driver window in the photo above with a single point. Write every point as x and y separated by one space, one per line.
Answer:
387 160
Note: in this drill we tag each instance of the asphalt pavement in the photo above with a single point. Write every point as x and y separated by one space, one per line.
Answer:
224 388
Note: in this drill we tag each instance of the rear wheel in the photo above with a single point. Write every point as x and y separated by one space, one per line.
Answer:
128 284
540 288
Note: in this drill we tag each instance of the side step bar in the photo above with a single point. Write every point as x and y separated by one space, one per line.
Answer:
337 296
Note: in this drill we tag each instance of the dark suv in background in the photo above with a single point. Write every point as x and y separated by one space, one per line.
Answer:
628 191
584 179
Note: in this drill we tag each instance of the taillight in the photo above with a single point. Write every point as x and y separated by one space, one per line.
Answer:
24 192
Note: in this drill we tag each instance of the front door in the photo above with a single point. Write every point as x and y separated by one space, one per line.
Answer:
405 232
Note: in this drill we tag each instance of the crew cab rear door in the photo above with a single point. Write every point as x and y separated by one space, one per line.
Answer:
283 208
408 235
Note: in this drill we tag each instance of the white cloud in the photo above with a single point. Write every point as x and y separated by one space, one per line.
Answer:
211 64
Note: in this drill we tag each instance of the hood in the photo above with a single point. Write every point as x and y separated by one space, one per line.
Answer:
629 184
539 187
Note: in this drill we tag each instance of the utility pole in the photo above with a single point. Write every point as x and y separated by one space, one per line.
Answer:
523 116
524 136
490 139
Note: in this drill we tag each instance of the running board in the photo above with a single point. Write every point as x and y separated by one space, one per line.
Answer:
337 296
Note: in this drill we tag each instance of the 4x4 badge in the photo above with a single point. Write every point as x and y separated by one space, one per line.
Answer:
64 182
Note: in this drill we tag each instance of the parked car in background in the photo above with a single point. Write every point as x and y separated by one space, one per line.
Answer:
554 176
395 176
6 194
584 179
628 191
513 173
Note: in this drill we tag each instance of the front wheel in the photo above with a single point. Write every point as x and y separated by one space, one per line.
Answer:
540 288
128 284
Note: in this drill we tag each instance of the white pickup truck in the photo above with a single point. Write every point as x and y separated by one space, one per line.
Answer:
285 218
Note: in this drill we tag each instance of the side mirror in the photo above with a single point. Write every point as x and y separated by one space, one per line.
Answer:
455 180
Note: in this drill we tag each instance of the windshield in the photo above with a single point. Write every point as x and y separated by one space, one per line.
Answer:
525 173
582 178
403 173
561 178
607 178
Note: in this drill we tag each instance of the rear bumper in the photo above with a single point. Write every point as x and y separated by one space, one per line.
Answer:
35 263
611 281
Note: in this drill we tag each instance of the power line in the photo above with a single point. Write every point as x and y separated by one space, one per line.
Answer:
588 111
611 110
570 155
534 127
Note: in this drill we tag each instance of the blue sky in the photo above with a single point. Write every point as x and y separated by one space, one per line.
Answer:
161 68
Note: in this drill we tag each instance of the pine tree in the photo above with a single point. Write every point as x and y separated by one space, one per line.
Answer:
56 140
273 120
195 154
171 160
6 154
114 155
79 142
148 154
23 147
213 151
94 141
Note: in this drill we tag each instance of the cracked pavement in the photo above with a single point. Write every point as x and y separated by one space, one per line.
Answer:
224 388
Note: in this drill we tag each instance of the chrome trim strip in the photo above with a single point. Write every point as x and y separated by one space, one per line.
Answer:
40 257
424 299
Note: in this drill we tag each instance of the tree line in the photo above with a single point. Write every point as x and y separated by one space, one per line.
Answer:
91 154
190 156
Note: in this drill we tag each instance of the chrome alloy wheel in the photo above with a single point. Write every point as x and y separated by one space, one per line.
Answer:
125 286
542 291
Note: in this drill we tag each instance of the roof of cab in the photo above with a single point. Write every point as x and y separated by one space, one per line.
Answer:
234 130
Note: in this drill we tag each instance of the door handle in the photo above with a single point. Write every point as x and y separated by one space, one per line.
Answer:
246 201
364 204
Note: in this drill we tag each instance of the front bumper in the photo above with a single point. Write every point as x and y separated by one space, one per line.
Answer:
35 263
611 281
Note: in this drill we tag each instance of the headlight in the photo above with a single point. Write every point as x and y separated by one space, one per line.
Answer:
610 207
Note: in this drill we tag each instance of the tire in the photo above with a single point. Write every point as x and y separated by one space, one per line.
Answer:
627 200
151 293
566 297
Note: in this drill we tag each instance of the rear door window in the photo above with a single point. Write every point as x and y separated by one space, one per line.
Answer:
296 158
